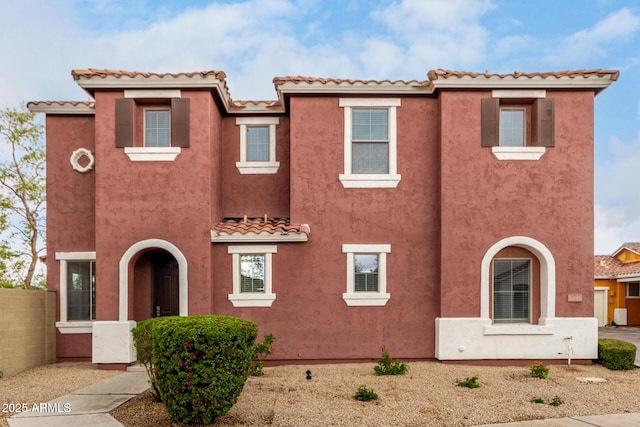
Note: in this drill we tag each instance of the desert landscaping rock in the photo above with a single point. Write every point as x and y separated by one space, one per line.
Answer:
426 396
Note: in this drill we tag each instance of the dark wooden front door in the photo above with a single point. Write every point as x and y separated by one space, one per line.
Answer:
165 285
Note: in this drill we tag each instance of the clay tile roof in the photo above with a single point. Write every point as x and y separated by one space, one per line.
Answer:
277 81
445 74
271 228
92 72
608 266
89 104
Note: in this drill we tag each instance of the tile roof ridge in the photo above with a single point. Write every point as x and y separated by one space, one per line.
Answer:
325 80
441 73
103 73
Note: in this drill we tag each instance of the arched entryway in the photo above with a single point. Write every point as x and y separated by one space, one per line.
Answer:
153 276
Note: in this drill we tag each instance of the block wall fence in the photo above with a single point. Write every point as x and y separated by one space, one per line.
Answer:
27 329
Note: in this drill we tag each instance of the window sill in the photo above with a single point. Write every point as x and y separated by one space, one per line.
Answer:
369 180
252 300
362 299
152 154
256 168
79 327
518 329
518 153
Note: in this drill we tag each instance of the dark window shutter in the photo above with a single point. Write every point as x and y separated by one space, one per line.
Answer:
124 122
543 112
179 122
490 122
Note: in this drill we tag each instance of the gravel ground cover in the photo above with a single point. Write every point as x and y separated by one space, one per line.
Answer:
426 396
44 383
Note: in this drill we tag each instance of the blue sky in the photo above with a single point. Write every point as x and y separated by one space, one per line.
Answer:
253 41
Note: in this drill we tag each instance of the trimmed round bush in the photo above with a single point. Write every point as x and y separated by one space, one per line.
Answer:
616 354
201 364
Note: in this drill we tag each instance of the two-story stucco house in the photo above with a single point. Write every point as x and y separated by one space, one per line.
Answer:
450 218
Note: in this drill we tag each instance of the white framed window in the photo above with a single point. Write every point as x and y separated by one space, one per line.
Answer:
157 130
252 282
77 292
511 290
370 143
633 290
366 274
257 145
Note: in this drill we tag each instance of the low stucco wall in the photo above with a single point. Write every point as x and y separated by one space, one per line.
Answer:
27 329
478 339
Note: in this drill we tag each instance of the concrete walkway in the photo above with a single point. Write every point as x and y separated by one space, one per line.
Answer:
88 406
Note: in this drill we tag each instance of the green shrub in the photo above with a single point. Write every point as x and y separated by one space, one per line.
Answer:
616 354
469 382
364 394
144 349
539 370
388 366
537 400
201 364
261 350
556 401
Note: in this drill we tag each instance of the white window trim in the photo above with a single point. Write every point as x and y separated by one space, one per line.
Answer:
250 167
389 180
152 154
518 153
240 299
74 326
359 299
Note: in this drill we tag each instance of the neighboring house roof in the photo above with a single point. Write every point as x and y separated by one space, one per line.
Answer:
610 267
630 246
259 230
92 79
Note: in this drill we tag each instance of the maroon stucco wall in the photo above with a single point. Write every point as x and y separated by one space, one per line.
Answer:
254 195
70 209
309 317
485 200
172 201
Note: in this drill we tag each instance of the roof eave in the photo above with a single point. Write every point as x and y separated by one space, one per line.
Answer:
61 108
90 84
257 237
595 83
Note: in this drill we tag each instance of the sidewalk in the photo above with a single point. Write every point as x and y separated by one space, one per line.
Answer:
88 406
612 420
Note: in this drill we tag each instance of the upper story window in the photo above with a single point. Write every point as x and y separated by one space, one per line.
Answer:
518 124
152 125
512 127
370 143
257 145
511 290
156 128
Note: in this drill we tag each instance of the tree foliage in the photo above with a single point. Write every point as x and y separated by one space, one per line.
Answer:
22 195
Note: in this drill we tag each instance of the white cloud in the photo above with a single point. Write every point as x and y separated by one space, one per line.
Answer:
595 42
617 201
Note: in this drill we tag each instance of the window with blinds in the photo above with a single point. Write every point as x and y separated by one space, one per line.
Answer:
258 143
366 273
251 273
511 290
370 140
156 128
81 290
512 127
